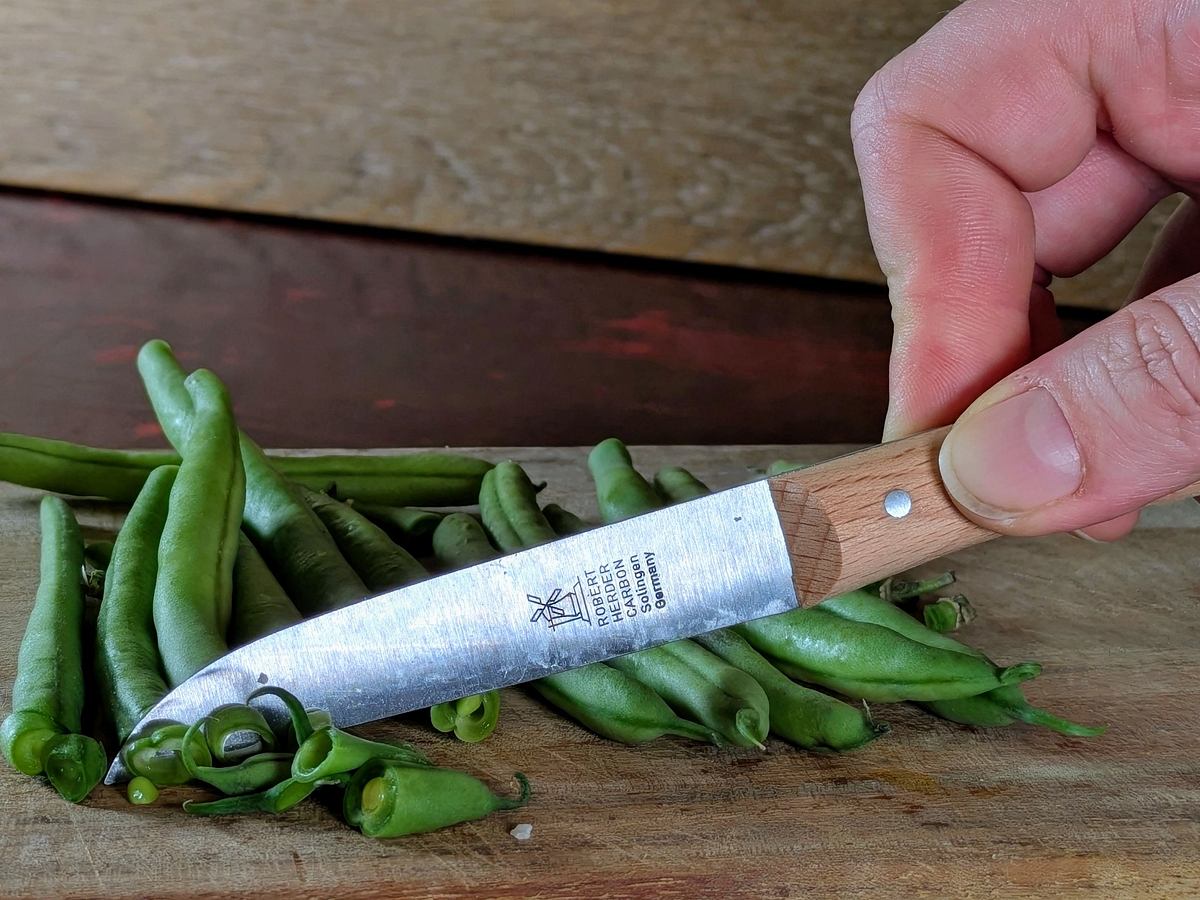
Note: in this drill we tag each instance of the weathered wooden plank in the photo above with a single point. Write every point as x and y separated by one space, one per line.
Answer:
369 340
930 809
715 132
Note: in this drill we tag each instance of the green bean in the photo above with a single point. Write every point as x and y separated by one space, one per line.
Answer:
294 541
74 764
946 614
460 541
330 751
676 485
411 528
705 687
254 773
620 490
277 799
1005 706
156 755
302 721
141 791
610 703
798 714
782 465
861 606
508 506
96 557
260 604
194 591
380 563
407 479
385 799
691 679
989 709
127 662
61 467
869 661
897 590
226 728
47 696
288 534
563 521
471 718
616 706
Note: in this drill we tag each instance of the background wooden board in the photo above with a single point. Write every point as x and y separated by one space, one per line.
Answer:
380 340
714 132
931 809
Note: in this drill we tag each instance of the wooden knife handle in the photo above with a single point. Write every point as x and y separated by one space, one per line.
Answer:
871 514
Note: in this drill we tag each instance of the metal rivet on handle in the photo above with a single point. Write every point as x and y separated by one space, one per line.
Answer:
897 504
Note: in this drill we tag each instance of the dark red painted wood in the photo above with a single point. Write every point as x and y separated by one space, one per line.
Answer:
358 339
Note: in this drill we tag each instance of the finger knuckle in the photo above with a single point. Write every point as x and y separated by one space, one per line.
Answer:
1157 363
872 108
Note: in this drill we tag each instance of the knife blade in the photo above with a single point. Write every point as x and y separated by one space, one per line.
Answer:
732 556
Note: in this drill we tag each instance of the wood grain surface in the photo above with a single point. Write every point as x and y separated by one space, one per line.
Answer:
929 810
716 132
367 340
840 532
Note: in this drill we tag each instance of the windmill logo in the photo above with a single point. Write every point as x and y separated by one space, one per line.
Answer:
561 607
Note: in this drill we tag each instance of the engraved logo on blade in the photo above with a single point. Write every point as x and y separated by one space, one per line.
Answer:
560 607
613 592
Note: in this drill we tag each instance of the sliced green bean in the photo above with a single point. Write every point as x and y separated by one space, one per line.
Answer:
47 696
379 561
946 614
302 722
127 662
385 799
277 799
254 773
227 731
460 541
471 718
74 764
260 604
141 791
330 751
156 755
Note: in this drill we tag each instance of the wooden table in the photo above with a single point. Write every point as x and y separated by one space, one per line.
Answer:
360 338
929 810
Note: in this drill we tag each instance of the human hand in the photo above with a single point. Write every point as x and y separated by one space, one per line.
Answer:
1016 141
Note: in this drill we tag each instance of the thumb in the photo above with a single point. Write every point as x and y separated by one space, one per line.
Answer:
1095 429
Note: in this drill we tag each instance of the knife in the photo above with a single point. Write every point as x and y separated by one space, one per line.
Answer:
755 550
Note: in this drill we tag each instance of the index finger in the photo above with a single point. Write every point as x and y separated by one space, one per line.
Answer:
1004 97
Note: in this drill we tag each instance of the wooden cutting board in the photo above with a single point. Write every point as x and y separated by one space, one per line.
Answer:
930 809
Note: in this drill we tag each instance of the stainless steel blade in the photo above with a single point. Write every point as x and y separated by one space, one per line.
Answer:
673 573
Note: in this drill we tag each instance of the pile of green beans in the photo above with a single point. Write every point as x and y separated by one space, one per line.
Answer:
224 544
